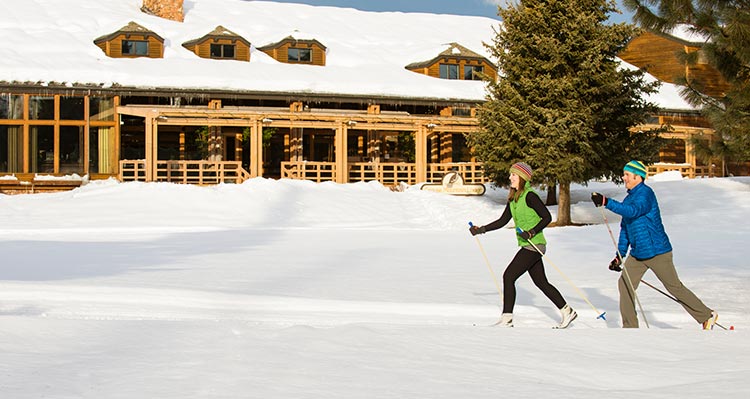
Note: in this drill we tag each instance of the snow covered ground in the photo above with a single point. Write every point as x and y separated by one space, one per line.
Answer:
290 289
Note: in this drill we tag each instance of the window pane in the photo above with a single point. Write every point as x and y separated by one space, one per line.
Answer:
305 55
41 108
293 54
135 47
101 150
11 149
471 72
222 51
228 51
448 71
71 149
215 51
299 54
71 108
141 48
101 109
41 149
11 106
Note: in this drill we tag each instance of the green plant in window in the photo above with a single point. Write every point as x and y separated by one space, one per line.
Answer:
405 145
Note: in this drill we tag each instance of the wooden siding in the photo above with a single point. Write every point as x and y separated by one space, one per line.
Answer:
434 69
281 53
113 47
658 55
203 49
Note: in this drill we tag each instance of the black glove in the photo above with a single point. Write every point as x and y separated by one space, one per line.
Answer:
598 199
474 230
526 235
615 264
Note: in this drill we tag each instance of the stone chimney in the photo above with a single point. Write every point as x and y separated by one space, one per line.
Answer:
169 9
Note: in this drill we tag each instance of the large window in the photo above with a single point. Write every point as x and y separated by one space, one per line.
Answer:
11 149
134 47
71 108
102 150
472 72
448 71
41 108
101 109
42 149
222 51
295 54
11 106
71 149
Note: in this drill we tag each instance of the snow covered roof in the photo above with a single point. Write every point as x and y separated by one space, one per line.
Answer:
219 32
451 50
367 52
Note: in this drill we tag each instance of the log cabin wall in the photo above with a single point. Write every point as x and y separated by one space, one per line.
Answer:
112 44
658 54
203 49
280 51
434 69
113 47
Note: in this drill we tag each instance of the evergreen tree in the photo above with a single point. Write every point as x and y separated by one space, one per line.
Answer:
561 102
725 27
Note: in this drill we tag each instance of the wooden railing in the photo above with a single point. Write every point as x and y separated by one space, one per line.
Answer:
389 174
132 170
187 172
472 172
686 170
308 170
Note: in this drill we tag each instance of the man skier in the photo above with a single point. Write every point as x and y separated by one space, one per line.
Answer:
642 231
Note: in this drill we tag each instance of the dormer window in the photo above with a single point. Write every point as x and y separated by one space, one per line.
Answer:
222 50
220 44
456 62
135 47
448 71
299 54
132 40
296 50
473 72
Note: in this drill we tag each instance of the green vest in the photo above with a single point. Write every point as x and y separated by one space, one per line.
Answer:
526 218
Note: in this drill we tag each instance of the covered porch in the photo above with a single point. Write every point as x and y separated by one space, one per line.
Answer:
301 143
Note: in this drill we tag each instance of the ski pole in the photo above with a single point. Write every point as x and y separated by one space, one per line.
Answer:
629 283
675 299
601 315
499 291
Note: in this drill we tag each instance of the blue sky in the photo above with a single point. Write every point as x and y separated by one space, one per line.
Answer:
485 8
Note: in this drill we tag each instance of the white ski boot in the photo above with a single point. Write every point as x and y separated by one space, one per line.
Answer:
506 320
711 322
568 315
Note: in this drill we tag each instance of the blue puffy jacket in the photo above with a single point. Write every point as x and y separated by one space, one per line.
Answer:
641 228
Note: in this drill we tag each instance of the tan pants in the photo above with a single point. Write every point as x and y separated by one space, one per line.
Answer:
663 267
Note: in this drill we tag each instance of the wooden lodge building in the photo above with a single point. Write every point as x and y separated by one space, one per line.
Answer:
132 127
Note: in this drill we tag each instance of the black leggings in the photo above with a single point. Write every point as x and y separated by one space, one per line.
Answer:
530 261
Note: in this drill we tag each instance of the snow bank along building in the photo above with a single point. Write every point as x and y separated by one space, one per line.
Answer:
224 90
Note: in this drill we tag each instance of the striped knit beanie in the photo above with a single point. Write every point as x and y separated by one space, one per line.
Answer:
522 170
636 167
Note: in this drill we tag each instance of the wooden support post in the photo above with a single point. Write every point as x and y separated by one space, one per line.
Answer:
446 147
434 148
26 134
256 141
420 153
340 146
182 145
151 145
238 147
86 135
